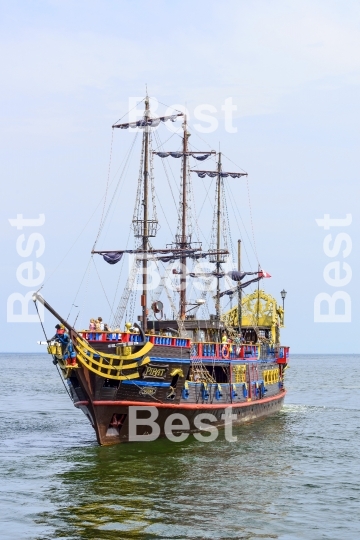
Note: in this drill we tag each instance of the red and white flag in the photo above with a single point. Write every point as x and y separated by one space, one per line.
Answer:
264 274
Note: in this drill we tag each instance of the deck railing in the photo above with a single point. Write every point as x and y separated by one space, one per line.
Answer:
226 351
128 337
201 350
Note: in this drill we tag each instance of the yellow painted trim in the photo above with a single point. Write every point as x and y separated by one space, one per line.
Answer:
146 348
99 361
177 371
92 365
110 366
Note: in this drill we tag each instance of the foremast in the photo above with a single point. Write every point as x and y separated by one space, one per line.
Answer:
145 236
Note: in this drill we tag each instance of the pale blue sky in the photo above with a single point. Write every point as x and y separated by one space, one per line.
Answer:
292 68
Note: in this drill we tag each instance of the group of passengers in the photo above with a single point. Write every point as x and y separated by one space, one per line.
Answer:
97 325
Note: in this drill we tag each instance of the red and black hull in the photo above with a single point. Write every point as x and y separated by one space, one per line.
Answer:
235 389
100 412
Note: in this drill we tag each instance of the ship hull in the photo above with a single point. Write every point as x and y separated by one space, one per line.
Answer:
123 430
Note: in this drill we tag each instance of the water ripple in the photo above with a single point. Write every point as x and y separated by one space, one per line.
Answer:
291 476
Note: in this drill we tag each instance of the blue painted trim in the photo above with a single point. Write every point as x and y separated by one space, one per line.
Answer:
147 383
216 384
162 360
232 361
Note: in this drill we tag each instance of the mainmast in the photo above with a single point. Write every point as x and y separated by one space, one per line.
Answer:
145 236
184 242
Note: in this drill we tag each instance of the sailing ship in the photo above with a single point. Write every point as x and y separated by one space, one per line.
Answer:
226 362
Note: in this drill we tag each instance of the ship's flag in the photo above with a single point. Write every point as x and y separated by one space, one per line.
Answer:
264 274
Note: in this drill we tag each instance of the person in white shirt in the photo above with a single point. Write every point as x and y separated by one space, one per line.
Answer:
101 323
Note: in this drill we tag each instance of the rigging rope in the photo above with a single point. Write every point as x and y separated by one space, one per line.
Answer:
160 144
120 273
123 116
164 214
139 191
77 292
102 286
194 217
251 218
152 183
106 189
166 164
226 215
126 294
237 223
116 188
87 284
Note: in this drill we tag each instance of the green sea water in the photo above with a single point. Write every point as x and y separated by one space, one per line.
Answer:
294 475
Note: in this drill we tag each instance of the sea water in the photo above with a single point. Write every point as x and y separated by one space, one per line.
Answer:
294 475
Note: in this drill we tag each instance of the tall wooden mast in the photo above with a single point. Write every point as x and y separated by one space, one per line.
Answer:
184 240
145 237
218 236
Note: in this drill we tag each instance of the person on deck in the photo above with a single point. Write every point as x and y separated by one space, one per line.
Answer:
97 326
60 331
66 345
101 323
92 325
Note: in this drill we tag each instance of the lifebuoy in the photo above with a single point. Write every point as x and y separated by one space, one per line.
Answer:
225 351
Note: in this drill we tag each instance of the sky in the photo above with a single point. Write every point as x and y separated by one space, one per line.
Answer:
292 70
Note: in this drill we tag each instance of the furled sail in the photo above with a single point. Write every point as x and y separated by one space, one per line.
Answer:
234 274
166 255
214 174
200 157
112 257
144 122
190 254
261 275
